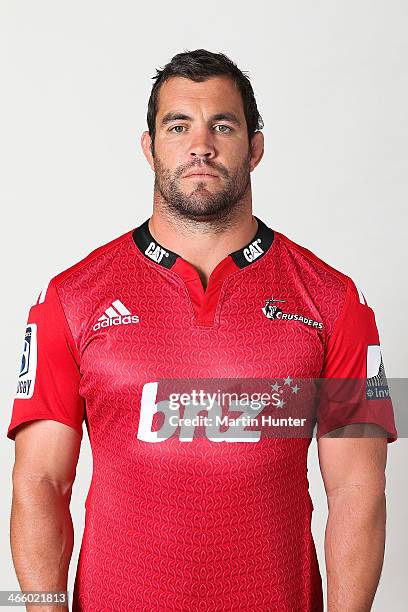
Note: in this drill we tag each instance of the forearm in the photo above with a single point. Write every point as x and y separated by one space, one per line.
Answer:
354 548
41 537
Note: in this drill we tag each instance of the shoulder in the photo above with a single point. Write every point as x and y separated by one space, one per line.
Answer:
88 267
74 295
332 294
312 267
94 260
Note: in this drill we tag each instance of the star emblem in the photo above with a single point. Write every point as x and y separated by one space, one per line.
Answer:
288 380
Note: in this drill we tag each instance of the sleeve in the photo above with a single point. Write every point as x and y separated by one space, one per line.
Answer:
354 387
49 377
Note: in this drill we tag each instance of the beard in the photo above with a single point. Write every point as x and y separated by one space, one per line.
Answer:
201 204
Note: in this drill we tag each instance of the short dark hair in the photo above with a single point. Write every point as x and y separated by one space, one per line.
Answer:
200 65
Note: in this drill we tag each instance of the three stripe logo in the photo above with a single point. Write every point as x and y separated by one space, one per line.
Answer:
110 312
116 314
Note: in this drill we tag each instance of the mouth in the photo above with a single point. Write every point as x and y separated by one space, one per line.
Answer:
200 175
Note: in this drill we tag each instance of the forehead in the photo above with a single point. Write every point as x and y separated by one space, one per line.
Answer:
215 94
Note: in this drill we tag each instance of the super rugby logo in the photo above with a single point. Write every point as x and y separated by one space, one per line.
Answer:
28 366
272 311
156 252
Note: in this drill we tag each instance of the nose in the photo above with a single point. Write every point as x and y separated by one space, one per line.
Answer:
202 145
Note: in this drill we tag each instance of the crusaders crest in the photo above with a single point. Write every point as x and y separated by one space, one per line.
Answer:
270 309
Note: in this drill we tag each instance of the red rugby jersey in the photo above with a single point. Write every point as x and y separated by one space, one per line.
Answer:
199 524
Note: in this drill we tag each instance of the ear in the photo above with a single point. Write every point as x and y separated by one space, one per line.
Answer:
257 150
146 143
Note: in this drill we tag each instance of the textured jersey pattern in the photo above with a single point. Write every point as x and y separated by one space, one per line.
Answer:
191 526
197 526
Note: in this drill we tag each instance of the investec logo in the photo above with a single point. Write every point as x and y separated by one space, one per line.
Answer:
253 251
117 314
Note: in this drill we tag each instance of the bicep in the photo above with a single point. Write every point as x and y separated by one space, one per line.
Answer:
354 461
46 450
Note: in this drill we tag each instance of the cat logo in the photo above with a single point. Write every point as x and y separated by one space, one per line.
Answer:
253 251
156 252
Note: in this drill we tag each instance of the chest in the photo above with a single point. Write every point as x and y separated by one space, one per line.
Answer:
152 332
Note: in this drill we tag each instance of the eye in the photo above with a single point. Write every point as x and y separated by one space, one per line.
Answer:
224 126
176 126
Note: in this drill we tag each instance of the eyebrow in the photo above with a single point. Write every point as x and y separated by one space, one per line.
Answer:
176 116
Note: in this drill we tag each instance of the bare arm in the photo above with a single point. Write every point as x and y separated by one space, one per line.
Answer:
41 526
353 471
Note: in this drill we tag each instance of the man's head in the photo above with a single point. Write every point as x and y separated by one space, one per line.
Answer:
202 118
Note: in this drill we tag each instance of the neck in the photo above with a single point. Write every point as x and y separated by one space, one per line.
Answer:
203 243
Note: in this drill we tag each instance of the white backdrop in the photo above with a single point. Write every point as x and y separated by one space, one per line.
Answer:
331 83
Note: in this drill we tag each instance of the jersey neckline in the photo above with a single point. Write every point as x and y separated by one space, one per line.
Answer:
205 303
243 257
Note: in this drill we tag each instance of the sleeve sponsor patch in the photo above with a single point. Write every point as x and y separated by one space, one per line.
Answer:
377 385
28 366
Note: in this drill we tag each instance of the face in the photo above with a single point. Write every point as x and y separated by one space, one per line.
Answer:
202 158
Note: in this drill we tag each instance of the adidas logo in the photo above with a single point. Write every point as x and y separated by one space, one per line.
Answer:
117 314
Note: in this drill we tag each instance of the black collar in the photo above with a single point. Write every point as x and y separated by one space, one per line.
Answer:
251 252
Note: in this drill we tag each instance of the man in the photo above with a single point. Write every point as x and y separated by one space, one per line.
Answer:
202 290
